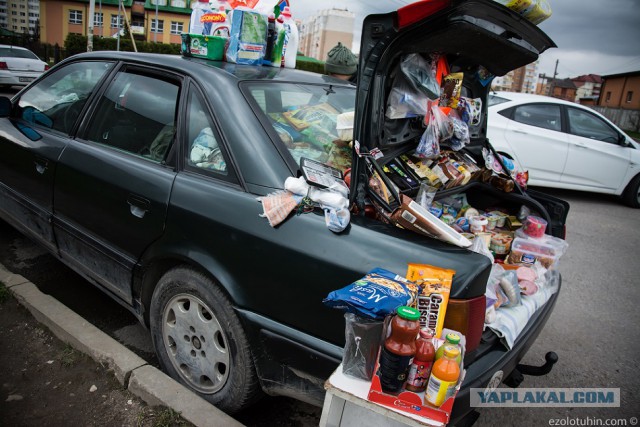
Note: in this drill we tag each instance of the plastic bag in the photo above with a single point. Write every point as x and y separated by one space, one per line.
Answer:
429 146
480 247
460 137
509 284
426 194
451 90
421 74
363 338
404 100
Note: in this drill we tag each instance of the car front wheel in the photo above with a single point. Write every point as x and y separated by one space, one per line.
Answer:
199 340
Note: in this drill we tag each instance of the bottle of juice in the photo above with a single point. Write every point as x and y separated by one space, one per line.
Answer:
451 340
398 349
422 361
444 378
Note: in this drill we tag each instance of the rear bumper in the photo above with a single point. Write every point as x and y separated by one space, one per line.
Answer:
18 78
499 358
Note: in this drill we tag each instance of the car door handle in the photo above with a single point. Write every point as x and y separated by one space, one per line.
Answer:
521 131
138 206
41 165
581 145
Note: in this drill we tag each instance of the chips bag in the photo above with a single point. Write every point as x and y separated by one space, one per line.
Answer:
376 295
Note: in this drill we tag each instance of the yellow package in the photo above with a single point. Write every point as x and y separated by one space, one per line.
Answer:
435 287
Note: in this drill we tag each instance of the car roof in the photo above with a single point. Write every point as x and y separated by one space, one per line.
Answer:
199 68
518 98
10 46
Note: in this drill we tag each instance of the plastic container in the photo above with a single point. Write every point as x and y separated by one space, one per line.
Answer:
291 40
452 341
344 125
444 378
528 251
198 23
501 243
209 47
534 226
422 362
478 224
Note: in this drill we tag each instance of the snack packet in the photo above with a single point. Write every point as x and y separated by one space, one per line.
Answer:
435 286
451 90
378 294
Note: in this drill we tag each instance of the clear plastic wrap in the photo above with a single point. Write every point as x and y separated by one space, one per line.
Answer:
421 74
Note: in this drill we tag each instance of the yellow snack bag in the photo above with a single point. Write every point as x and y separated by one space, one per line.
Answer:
435 284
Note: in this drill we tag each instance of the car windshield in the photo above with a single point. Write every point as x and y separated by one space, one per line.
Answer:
8 52
306 118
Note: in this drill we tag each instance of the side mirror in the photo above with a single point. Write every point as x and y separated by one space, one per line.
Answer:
5 106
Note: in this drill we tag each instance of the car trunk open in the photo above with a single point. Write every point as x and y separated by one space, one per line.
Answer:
470 33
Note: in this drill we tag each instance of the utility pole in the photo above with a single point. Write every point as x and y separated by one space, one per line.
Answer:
92 9
553 82
155 34
119 18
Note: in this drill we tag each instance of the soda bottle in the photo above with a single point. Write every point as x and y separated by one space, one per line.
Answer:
444 378
422 361
398 349
451 340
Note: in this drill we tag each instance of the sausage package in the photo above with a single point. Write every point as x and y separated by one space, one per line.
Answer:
435 287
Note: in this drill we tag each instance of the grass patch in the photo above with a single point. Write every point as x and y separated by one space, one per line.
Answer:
168 418
4 293
69 356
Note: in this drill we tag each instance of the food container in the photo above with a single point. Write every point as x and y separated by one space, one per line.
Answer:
501 243
492 221
478 224
344 125
534 226
528 251
501 218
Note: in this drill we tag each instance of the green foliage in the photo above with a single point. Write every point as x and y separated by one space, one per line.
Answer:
313 66
76 43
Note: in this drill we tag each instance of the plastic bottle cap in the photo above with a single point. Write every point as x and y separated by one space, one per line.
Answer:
453 338
408 313
451 352
286 12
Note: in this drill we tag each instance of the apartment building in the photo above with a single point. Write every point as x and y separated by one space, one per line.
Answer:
523 79
20 16
159 21
321 32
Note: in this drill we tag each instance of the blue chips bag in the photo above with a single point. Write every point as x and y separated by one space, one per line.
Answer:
374 296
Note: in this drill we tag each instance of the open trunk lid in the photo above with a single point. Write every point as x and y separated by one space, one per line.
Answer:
471 33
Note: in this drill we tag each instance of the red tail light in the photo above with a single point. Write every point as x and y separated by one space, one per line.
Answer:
415 12
467 316
3 65
46 67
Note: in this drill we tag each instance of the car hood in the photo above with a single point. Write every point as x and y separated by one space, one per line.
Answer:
470 32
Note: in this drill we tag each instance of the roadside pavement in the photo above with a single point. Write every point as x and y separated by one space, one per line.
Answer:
58 369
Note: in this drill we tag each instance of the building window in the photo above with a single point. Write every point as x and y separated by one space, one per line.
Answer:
608 97
116 21
75 17
629 96
178 3
176 27
98 19
157 26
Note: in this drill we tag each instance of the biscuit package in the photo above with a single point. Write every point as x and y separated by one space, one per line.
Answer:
435 287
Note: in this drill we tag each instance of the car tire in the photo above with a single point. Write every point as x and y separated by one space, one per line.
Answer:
631 195
199 340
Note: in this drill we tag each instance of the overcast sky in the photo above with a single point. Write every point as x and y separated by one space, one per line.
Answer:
593 37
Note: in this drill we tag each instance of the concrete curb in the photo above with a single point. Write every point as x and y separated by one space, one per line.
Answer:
133 372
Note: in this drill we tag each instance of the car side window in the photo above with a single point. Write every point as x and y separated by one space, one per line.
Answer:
205 152
137 114
56 101
585 124
541 115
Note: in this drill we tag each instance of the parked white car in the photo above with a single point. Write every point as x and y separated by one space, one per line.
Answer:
19 66
565 145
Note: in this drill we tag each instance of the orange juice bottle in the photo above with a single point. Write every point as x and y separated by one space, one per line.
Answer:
444 378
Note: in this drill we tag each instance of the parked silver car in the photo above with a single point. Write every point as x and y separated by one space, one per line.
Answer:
19 66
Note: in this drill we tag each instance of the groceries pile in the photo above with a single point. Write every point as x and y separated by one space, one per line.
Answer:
396 338
254 32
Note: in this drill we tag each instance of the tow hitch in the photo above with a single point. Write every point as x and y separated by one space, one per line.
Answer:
517 375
